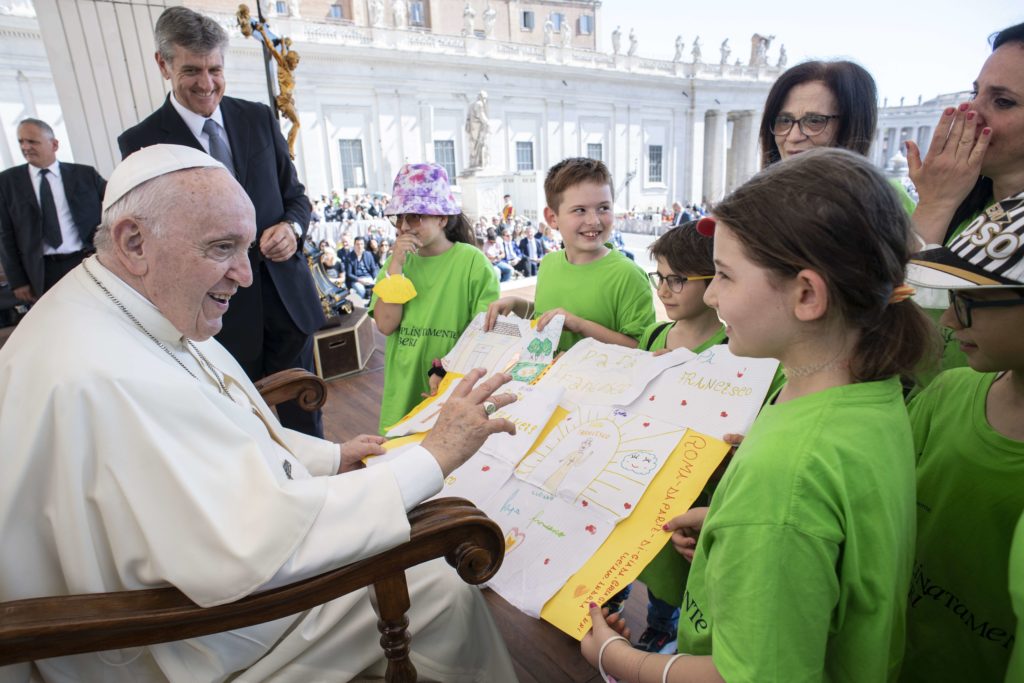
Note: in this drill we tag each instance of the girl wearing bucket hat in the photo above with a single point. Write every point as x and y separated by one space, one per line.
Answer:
431 287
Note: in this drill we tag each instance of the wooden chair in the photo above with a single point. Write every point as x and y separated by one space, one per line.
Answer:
39 628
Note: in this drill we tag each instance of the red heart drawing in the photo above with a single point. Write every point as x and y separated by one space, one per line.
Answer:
584 503
647 424
591 529
547 560
683 402
739 374
627 505
651 397
485 468
724 414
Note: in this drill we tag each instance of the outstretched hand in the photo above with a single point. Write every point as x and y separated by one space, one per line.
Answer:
463 424
686 530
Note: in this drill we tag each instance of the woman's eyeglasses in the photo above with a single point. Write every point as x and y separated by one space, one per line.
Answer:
809 124
674 282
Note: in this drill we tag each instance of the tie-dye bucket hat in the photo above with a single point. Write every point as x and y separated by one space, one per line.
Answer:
423 189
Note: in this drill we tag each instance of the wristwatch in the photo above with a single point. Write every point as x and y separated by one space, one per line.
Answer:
298 231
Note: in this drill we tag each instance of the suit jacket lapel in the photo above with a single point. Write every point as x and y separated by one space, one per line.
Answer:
174 128
238 137
25 189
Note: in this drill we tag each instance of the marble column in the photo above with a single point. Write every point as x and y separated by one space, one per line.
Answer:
714 156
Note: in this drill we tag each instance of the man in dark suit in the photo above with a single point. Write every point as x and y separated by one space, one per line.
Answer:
532 248
49 211
269 325
360 269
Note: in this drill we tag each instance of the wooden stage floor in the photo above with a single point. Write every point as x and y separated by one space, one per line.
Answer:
542 653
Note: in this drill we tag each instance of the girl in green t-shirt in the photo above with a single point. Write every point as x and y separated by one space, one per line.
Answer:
685 267
801 564
452 279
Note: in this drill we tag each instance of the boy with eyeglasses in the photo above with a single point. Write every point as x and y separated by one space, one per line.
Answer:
969 438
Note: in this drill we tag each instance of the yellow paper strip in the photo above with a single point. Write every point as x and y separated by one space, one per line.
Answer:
638 538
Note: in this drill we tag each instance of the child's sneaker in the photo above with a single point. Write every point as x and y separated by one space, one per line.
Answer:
655 641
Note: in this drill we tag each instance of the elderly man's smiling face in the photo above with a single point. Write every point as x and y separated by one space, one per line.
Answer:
200 257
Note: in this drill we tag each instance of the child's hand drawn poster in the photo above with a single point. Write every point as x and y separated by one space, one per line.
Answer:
636 540
715 393
532 410
594 373
600 458
512 345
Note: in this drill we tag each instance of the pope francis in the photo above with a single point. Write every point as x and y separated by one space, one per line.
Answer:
136 454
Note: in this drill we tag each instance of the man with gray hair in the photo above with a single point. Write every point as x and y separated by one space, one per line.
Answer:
270 325
49 211
141 456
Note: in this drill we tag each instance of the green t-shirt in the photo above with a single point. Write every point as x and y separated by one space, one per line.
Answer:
970 494
802 565
1015 672
906 200
665 576
611 291
451 288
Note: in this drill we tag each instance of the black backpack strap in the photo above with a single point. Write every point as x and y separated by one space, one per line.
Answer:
657 332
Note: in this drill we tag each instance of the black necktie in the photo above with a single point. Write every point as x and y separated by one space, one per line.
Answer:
51 225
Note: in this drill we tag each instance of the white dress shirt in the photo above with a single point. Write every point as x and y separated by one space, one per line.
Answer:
195 123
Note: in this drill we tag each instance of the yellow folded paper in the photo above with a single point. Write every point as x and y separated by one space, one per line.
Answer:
395 289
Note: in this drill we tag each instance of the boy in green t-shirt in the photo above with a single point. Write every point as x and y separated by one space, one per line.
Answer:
601 293
969 440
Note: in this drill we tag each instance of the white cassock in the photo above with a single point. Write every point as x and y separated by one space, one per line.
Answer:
121 471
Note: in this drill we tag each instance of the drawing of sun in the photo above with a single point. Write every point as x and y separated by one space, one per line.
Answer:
600 458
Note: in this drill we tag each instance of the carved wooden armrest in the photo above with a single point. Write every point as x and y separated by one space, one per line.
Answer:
452 528
295 383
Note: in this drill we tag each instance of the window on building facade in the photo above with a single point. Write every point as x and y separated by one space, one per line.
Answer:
654 164
444 154
336 12
281 7
594 151
417 13
585 25
527 20
352 173
524 156
557 18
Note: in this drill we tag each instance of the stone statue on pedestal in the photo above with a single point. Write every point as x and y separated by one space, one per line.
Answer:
490 16
783 57
566 35
633 43
725 50
376 12
549 32
680 46
695 52
759 49
478 127
468 15
400 12
616 40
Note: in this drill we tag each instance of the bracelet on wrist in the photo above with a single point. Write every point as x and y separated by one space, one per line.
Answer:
600 654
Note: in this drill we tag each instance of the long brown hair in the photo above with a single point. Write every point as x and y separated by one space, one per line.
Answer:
856 96
830 211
